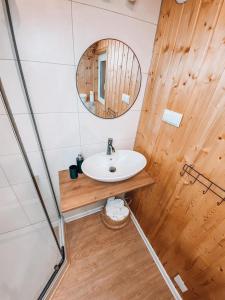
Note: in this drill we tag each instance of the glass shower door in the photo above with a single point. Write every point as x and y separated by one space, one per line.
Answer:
31 233
12 78
29 248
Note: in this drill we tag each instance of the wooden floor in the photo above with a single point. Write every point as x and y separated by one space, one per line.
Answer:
109 265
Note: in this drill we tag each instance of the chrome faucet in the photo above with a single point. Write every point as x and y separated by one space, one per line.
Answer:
110 147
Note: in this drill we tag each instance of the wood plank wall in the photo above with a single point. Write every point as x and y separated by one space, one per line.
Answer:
187 75
123 76
85 79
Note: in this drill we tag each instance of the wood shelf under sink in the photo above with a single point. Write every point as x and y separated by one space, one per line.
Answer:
84 190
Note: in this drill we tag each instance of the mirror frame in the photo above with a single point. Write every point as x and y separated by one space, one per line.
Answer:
77 80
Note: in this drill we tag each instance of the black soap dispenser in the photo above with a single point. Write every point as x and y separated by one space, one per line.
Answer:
79 160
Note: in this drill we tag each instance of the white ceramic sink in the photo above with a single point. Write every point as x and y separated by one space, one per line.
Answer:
119 166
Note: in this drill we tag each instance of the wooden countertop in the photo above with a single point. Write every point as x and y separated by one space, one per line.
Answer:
84 190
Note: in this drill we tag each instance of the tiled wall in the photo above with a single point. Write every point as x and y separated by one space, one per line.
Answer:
51 37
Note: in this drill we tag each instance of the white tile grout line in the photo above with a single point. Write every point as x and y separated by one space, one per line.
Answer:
149 247
115 12
74 59
50 63
39 61
72 23
75 147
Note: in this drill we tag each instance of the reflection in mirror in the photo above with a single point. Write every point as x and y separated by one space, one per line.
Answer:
108 78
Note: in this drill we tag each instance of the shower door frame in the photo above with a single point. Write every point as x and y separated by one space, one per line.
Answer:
58 269
61 250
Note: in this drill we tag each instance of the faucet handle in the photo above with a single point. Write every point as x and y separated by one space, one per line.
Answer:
110 141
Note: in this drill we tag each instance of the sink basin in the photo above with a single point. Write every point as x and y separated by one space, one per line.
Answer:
119 166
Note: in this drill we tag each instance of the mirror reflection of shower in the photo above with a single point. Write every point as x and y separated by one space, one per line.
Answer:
108 78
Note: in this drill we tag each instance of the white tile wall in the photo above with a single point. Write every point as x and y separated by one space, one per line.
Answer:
51 87
12 215
12 86
28 198
43 30
97 130
30 258
92 24
7 139
2 109
5 49
51 37
60 159
145 10
26 130
89 150
14 169
58 130
3 179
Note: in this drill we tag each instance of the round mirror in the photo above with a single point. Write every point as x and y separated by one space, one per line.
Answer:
108 78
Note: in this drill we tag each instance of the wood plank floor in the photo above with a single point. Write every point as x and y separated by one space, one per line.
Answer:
109 265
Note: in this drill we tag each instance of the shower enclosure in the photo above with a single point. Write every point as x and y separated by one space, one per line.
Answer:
31 225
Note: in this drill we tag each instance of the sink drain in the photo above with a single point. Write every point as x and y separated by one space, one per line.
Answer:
112 169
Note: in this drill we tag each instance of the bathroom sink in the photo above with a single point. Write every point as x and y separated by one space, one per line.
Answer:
118 166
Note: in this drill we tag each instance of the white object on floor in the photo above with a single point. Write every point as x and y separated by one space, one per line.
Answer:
117 213
116 210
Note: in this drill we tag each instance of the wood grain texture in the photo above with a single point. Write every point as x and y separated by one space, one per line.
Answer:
187 75
107 264
84 190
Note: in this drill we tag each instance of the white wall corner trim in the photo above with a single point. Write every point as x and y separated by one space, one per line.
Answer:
83 214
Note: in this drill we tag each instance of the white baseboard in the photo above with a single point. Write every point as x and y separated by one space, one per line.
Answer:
157 261
83 214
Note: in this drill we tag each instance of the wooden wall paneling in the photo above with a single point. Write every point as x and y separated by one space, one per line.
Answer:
137 84
135 81
95 74
189 130
127 79
113 67
111 50
85 72
107 91
123 73
118 93
186 227
163 131
166 40
107 83
114 77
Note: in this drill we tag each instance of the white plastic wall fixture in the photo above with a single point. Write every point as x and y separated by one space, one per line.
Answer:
172 117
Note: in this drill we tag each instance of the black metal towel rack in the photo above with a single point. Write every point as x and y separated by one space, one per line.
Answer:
210 186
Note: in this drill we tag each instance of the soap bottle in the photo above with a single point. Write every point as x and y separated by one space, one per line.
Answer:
79 160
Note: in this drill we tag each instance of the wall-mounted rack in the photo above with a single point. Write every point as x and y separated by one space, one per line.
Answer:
210 186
